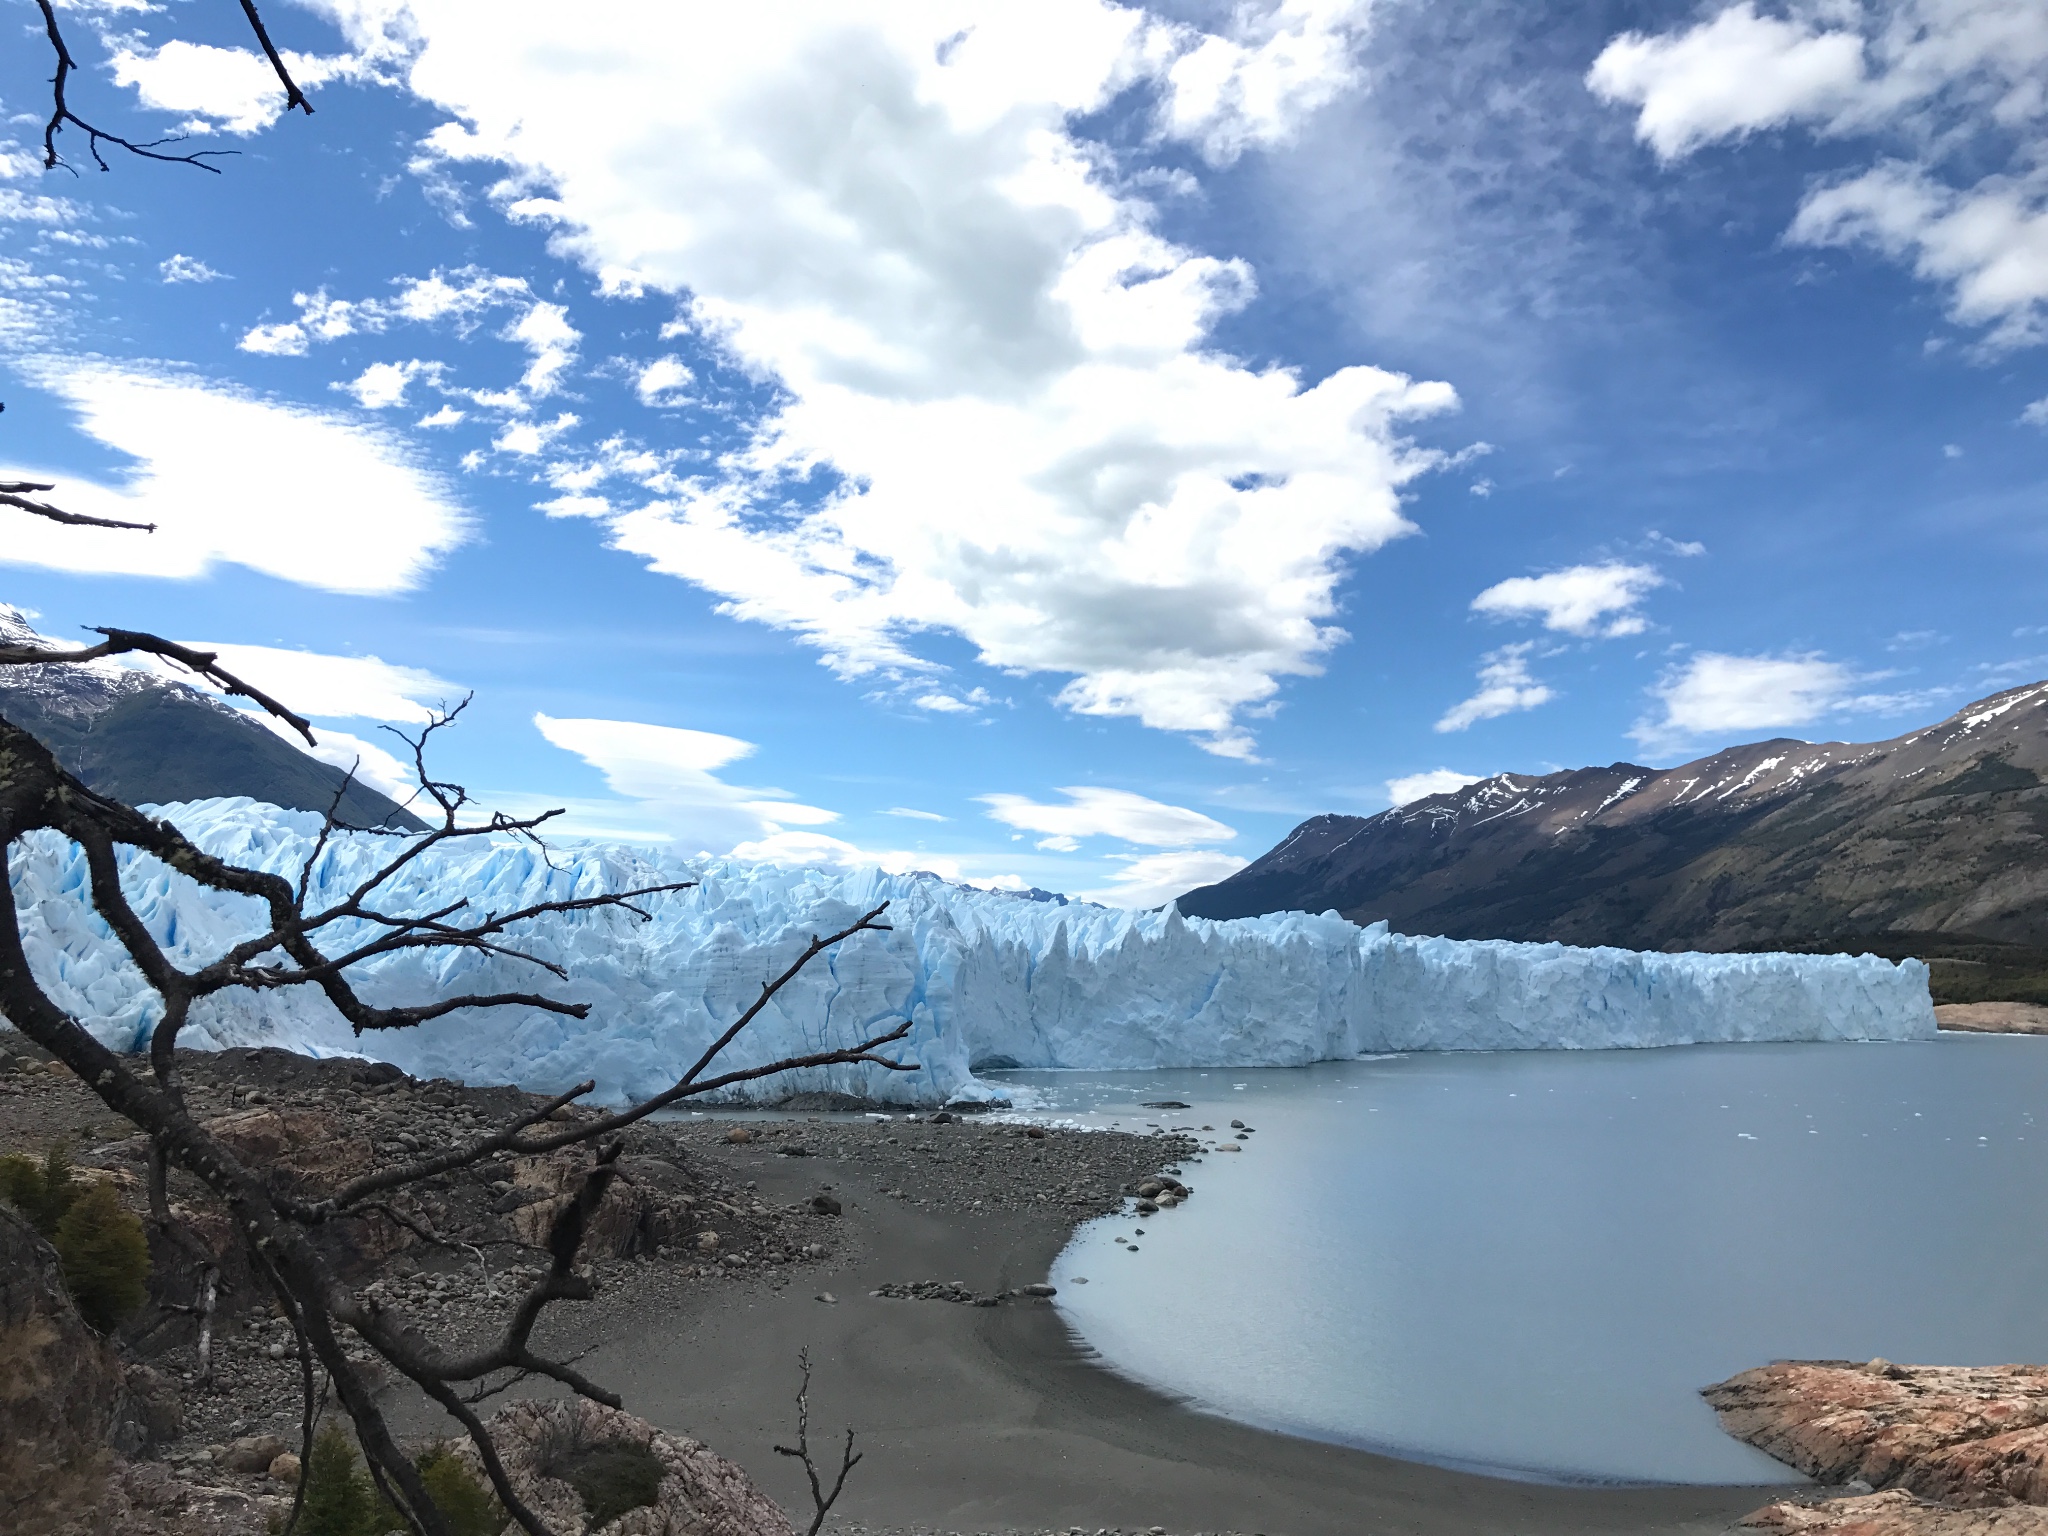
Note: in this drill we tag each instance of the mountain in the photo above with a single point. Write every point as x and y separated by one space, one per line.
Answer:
1933 844
150 740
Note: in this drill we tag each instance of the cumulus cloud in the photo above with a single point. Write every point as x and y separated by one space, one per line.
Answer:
313 683
996 368
1727 77
210 464
1577 600
1409 788
1505 687
1095 812
383 385
1157 878
1960 79
670 775
228 90
663 382
187 269
1714 694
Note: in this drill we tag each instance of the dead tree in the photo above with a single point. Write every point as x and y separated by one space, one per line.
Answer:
307 944
62 116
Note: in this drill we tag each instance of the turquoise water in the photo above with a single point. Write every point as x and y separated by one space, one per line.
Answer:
1529 1262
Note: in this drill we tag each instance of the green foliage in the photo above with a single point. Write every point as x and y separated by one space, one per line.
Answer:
610 1478
469 1507
41 1192
340 1498
105 1254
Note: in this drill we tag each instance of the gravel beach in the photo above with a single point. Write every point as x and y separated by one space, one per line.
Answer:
977 1409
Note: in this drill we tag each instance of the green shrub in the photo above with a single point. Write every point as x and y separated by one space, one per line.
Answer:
469 1507
106 1256
42 1192
340 1498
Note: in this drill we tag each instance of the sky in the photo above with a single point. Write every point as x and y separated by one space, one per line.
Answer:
1060 444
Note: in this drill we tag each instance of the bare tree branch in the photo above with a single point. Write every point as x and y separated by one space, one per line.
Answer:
61 113
821 1501
13 493
293 96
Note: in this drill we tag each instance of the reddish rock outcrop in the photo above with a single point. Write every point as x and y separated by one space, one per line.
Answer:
1896 1513
1964 1435
702 1493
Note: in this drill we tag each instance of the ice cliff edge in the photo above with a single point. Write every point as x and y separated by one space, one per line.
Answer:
989 980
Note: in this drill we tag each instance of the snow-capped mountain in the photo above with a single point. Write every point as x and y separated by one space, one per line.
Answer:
149 739
1941 835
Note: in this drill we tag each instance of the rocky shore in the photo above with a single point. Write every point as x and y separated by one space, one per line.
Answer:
1920 1450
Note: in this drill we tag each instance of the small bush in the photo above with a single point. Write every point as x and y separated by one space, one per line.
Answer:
106 1257
340 1498
610 1478
469 1507
42 1192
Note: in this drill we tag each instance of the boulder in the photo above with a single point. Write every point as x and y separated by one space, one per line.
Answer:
1895 1513
643 1208
700 1491
310 1144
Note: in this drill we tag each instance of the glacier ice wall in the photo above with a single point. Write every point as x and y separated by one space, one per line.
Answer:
989 980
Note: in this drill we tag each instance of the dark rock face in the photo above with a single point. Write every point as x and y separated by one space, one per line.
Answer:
148 740
63 1399
1934 842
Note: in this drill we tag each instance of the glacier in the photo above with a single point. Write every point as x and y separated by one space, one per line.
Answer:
988 980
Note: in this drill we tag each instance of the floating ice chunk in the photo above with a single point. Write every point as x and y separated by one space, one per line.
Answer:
984 977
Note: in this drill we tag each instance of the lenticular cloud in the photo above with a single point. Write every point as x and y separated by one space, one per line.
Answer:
1000 412
989 980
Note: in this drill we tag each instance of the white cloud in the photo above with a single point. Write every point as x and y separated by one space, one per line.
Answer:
1505 686
1158 878
671 775
527 438
1727 77
885 211
663 382
287 339
382 385
1576 600
446 416
367 687
968 703
814 850
232 90
906 811
187 269
229 477
1987 246
1096 812
1409 788
372 764
1958 79
1715 694
545 331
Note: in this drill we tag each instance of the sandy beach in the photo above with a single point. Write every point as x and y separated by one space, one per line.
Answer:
994 1419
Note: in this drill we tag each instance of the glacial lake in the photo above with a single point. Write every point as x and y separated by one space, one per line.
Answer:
1527 1263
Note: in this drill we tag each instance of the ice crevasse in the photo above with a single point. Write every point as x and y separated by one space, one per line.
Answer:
988 980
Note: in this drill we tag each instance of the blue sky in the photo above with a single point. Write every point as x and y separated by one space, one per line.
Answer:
1062 444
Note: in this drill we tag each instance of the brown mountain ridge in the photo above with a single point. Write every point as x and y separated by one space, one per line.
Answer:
1933 844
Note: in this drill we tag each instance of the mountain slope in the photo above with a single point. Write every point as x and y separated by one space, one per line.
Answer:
149 740
1935 841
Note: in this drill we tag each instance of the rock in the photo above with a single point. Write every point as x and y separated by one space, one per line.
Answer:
1237 1125
284 1468
739 1134
1228 1146
707 1242
1895 1514
1040 1290
251 1453
60 1388
1968 1435
794 1150
1036 1133
311 1144
825 1205
828 1298
700 1492
1147 1208
636 1216
1165 1104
